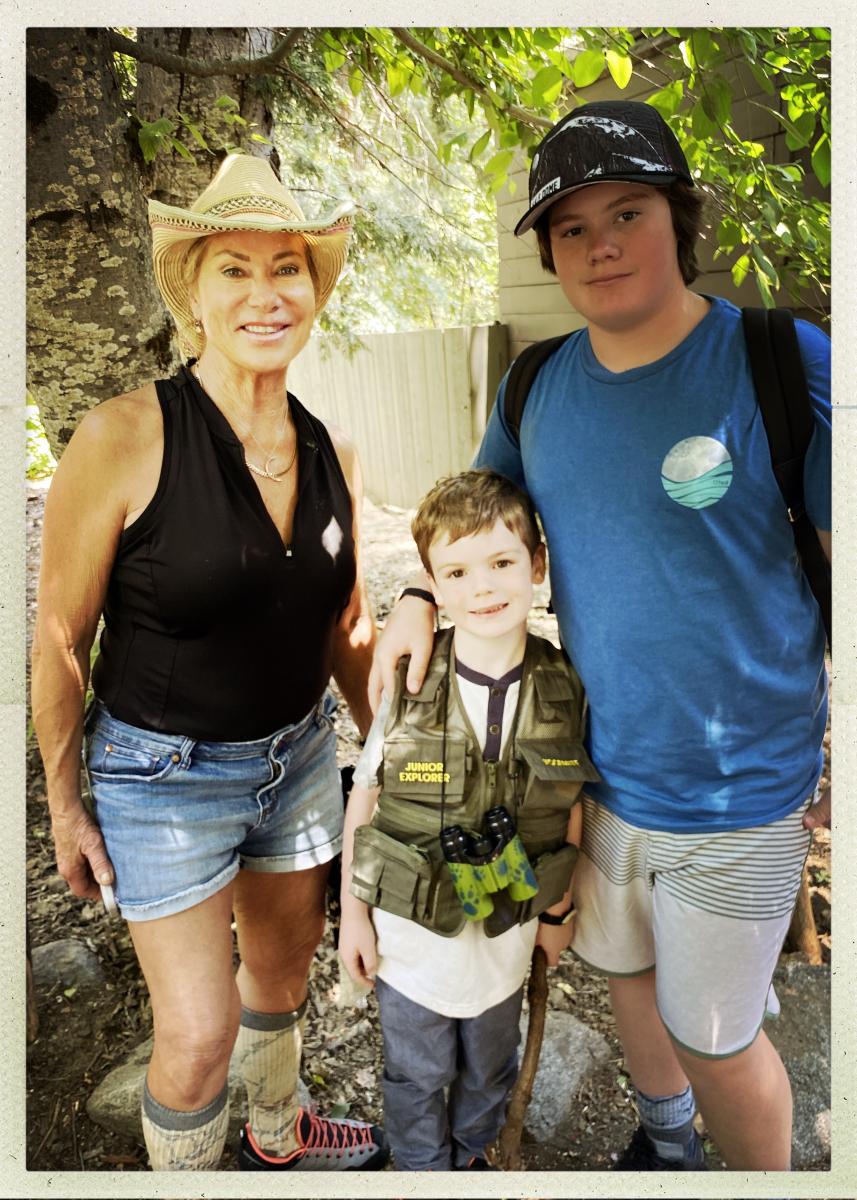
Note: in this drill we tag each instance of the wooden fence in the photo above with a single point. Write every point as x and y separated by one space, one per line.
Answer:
415 404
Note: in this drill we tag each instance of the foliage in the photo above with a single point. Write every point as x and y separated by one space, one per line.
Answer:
516 81
441 109
40 462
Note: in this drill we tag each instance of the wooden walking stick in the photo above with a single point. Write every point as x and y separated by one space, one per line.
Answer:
505 1153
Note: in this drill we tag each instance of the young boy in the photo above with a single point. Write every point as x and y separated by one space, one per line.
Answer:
499 720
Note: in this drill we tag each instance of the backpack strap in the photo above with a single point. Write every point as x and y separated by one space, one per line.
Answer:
786 408
521 376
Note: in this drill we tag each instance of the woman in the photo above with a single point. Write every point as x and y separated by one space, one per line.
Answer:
213 521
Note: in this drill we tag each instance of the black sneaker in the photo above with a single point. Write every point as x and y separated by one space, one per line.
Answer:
324 1145
640 1155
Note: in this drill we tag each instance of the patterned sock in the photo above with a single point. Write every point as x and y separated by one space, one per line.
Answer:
185 1141
268 1051
668 1121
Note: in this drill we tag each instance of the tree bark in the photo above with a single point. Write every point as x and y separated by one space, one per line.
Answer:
172 178
96 322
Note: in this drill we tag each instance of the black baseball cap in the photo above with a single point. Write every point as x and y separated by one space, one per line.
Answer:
601 142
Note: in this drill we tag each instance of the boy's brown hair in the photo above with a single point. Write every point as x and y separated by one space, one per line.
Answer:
687 208
464 504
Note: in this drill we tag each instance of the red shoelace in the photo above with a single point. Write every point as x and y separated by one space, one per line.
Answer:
327 1134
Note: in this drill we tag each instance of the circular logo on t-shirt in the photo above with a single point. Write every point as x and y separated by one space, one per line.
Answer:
697 472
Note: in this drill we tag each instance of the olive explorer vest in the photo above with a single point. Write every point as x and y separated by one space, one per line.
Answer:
398 865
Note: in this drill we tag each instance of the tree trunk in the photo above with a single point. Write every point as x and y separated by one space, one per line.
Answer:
96 322
172 178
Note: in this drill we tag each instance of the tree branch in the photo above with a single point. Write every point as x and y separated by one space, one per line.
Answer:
443 64
176 64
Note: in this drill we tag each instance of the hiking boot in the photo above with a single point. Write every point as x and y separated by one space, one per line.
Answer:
641 1155
324 1145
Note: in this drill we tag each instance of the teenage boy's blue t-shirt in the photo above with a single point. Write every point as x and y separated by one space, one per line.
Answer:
675 580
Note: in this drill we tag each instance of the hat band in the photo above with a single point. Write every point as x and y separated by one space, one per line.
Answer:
237 206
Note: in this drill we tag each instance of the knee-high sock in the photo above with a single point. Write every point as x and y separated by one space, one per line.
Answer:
185 1141
268 1050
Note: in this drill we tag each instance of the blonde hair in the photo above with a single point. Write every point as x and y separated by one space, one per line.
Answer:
464 504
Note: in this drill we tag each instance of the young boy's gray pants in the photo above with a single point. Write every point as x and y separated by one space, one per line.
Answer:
475 1058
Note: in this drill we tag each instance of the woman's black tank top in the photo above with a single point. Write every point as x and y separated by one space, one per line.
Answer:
213 628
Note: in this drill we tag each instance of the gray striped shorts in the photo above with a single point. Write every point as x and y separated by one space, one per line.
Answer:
708 911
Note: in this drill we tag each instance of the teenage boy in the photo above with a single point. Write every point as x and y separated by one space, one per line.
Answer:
680 598
498 722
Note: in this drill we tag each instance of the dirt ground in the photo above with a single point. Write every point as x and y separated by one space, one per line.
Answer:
85 1033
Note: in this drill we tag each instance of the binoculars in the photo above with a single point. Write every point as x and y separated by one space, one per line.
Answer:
488 863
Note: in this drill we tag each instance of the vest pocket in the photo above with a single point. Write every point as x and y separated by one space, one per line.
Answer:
553 871
391 875
558 767
419 767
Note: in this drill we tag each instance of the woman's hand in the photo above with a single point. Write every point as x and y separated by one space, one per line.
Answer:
357 944
81 854
409 630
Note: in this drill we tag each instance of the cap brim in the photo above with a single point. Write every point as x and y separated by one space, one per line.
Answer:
532 215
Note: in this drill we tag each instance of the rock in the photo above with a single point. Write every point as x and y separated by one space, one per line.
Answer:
68 962
571 1051
115 1103
801 1034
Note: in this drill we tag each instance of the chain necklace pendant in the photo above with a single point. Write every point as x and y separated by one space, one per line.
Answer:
264 472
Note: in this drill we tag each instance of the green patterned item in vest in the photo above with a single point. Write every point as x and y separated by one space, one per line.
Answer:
398 863
488 863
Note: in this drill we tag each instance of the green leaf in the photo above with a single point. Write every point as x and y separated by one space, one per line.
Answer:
333 60
499 161
620 68
740 269
497 183
764 287
717 99
69 992
701 124
149 143
546 85
397 79
587 67
762 263
355 81
783 232
763 77
339 1110
196 133
226 102
668 99
545 39
705 49
800 132
821 160
181 148
728 233
478 147
257 137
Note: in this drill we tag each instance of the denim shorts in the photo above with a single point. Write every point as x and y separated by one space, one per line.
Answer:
180 816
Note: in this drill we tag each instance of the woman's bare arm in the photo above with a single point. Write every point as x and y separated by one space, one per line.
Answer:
101 482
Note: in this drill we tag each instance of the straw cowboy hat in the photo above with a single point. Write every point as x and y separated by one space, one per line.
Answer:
244 194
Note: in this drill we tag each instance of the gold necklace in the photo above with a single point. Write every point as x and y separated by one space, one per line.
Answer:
263 472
